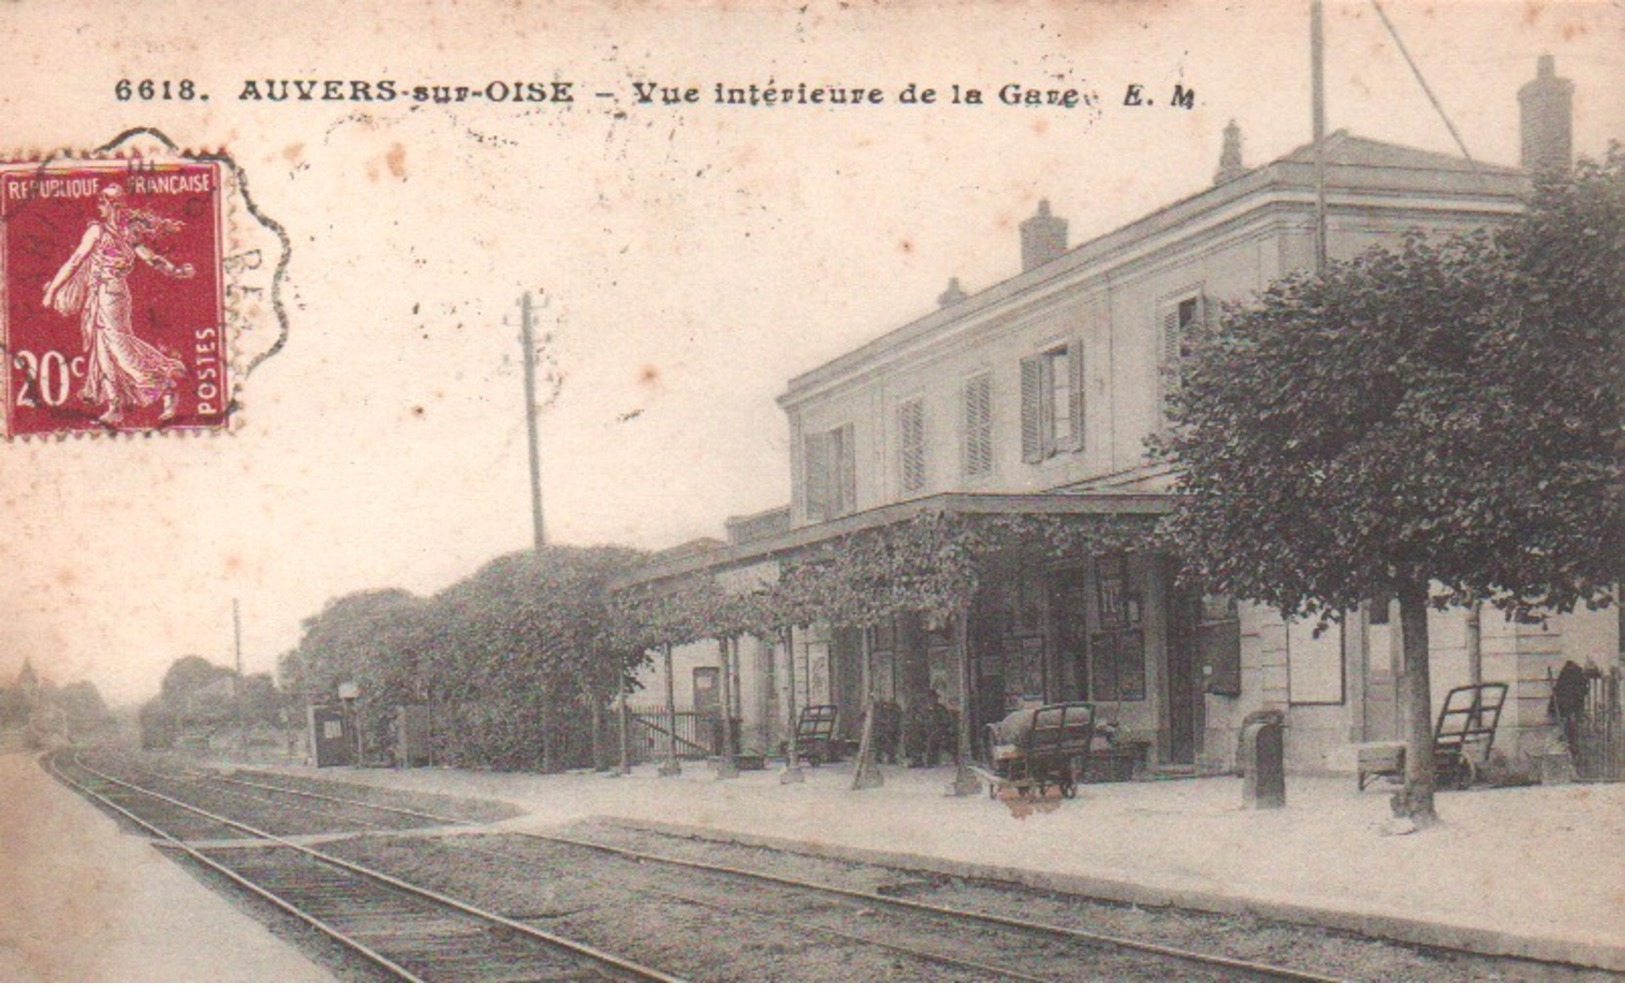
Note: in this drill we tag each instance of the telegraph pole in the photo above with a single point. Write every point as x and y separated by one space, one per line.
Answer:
528 340
1317 72
530 423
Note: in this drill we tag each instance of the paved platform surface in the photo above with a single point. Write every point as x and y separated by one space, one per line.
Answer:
1533 871
81 900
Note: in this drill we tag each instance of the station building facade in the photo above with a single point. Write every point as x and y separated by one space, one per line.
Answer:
1035 396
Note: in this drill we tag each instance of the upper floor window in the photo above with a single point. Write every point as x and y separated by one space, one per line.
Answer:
1175 320
832 474
911 445
978 447
1052 402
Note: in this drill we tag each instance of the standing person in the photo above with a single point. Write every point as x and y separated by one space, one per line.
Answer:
1569 701
120 369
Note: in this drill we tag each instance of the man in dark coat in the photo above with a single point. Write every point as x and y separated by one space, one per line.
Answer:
1569 702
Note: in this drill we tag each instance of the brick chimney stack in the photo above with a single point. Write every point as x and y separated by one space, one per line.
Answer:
1043 238
1546 115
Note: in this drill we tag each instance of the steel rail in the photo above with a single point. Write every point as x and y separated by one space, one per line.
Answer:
241 881
1002 972
650 888
322 796
993 969
1062 932
1173 952
207 777
580 949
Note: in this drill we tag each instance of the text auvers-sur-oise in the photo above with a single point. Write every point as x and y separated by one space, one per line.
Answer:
649 93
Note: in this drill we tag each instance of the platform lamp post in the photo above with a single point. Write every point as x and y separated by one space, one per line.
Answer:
349 692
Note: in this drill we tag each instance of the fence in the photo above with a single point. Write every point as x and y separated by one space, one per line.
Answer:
648 730
1601 753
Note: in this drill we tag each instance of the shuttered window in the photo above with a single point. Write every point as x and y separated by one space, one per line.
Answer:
1074 359
846 464
820 493
831 473
1052 402
978 445
911 445
1033 417
1175 321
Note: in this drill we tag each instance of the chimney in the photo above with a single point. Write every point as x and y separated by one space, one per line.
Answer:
953 296
1043 238
1230 165
1546 115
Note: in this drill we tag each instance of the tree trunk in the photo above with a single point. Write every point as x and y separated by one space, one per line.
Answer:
1416 801
965 781
792 761
597 729
670 766
727 765
549 753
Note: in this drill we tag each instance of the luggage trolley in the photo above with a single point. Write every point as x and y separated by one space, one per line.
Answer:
1059 735
1462 739
815 735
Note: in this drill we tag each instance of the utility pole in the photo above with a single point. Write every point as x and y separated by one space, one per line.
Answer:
530 423
528 340
1317 72
242 697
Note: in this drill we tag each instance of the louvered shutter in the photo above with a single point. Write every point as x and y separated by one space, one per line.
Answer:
911 445
846 454
818 485
1170 342
1074 356
1033 400
979 425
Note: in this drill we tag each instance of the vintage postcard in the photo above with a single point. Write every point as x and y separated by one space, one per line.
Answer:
564 490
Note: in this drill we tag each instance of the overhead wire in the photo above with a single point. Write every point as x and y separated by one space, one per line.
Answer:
1417 71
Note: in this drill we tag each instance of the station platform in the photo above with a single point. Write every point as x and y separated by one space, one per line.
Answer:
1533 872
81 900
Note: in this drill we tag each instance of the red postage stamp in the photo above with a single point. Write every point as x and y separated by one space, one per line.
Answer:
114 292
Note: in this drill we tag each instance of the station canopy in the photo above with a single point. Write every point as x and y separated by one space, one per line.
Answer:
925 556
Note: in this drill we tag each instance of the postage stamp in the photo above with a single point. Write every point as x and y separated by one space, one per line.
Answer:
122 292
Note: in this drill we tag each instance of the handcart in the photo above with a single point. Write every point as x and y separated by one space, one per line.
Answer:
1044 755
1462 739
815 735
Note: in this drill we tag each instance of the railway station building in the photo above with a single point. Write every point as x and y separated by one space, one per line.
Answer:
1031 399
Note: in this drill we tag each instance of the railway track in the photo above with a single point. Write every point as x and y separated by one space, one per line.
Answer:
1003 947
998 946
407 931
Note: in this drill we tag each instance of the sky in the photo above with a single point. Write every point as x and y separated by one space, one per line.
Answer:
687 260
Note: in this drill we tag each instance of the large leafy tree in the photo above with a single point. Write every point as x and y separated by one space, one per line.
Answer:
1440 421
529 643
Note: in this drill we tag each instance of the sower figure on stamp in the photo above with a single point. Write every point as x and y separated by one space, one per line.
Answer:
121 369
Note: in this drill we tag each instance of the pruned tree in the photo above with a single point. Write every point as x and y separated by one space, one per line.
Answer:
1440 421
